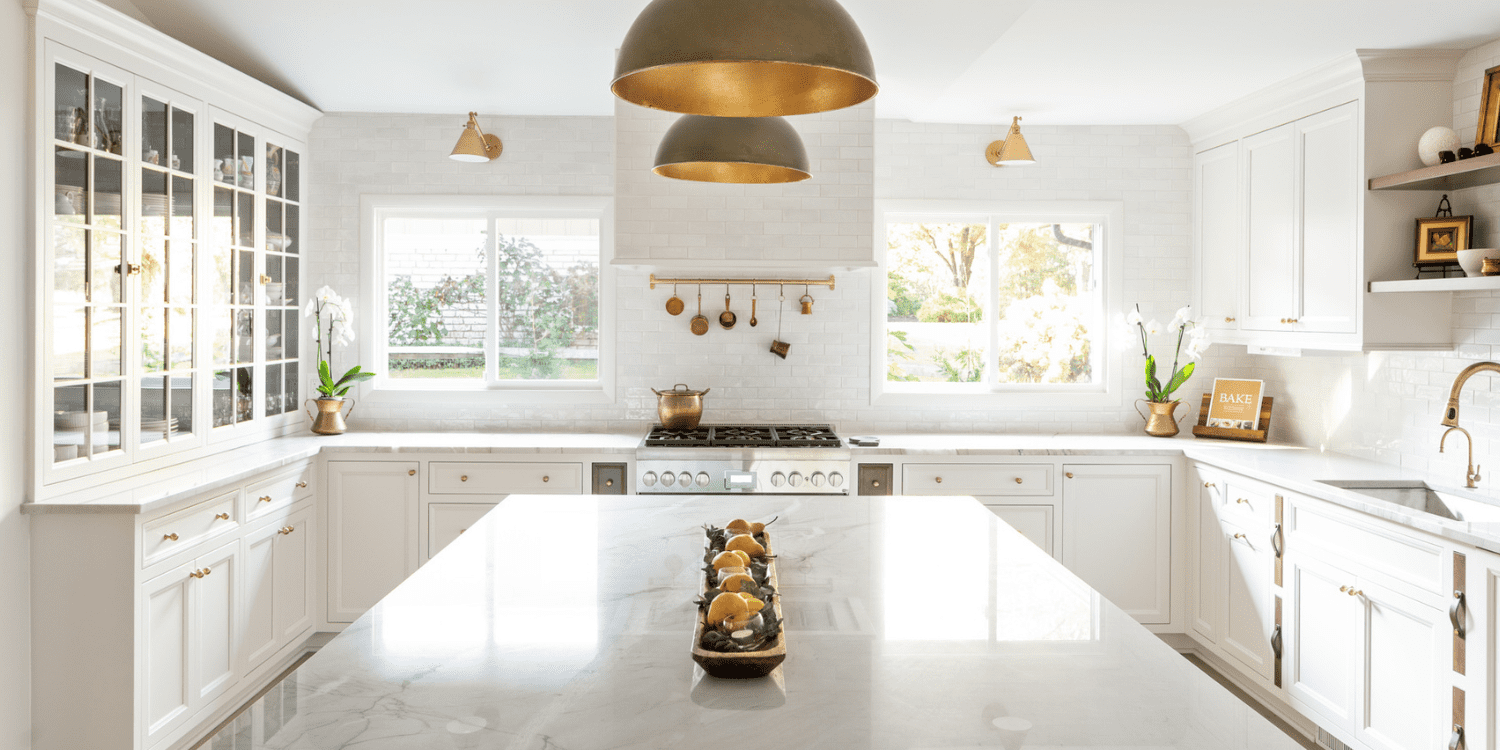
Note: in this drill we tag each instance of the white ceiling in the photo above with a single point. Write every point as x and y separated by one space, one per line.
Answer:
1052 61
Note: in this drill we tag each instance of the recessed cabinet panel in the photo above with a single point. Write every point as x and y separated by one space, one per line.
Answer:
1247 597
1035 522
372 533
1330 193
166 650
294 576
447 521
1405 659
215 610
1327 641
1117 535
977 479
1206 572
1270 227
1220 241
258 630
489 478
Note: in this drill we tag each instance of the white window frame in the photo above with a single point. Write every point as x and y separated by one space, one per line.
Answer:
375 209
1107 216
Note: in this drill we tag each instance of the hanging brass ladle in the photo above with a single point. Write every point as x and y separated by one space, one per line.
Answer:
752 305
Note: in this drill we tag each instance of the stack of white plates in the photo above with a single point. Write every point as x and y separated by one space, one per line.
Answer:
153 204
168 426
77 420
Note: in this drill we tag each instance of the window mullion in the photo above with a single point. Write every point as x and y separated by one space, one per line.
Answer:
491 301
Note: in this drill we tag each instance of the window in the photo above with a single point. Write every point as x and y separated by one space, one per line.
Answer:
995 301
488 293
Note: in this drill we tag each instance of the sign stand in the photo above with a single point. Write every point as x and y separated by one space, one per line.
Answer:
1225 433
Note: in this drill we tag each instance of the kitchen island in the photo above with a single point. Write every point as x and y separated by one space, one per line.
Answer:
911 622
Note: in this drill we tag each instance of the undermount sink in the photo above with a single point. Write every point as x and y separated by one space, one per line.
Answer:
1424 497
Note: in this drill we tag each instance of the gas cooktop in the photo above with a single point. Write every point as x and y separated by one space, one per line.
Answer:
744 436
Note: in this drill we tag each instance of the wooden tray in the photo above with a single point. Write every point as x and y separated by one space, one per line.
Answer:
1224 433
745 664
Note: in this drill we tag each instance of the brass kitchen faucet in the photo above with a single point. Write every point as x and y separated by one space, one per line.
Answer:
1450 416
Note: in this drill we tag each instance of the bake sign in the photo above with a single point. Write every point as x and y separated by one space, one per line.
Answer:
1235 404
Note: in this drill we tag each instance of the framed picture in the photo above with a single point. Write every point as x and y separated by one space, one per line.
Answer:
1235 404
1489 109
1439 239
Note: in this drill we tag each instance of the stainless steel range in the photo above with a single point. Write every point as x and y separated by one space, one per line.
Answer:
743 459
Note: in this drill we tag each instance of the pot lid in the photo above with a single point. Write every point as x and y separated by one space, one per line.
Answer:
680 389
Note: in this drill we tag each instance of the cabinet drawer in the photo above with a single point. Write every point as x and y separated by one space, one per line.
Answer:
446 521
475 478
278 492
1377 549
976 479
875 479
1247 501
166 536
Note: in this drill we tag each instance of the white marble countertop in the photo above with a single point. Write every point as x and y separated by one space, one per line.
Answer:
912 623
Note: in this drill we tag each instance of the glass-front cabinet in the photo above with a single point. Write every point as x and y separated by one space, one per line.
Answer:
171 273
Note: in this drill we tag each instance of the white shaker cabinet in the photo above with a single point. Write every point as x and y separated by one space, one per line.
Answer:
1219 246
1270 169
190 637
1117 534
372 533
1035 522
295 550
1248 601
1206 564
278 584
1325 641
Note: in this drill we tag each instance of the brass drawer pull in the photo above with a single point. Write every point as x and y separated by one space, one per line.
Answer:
1457 612
300 485
939 480
196 574
222 516
1067 474
546 478
1242 500
1019 480
875 483
607 483
411 472
1238 535
464 478
172 537
1351 591
1210 485
284 530
1229 320
461 531
265 498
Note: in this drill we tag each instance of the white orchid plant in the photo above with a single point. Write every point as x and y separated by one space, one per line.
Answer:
341 331
1196 337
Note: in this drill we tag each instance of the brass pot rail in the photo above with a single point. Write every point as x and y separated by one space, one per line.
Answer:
828 282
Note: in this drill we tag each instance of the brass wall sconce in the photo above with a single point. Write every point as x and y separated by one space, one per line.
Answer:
474 145
1013 150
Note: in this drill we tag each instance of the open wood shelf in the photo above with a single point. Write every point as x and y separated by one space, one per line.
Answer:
1459 284
1472 172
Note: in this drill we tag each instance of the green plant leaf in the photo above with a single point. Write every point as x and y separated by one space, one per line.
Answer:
323 374
1180 377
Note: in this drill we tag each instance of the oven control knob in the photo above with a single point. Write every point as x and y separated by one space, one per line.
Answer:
702 479
668 479
685 479
835 479
817 479
649 478
778 479
795 479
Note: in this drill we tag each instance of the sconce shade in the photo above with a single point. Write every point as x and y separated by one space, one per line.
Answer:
1012 150
744 58
749 150
473 145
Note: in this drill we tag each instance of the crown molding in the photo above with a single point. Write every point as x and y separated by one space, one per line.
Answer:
157 56
1409 65
1265 108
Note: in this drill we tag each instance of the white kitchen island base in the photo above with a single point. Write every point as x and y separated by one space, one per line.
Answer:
912 622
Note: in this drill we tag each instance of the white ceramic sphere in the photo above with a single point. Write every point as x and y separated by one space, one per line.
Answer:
1435 140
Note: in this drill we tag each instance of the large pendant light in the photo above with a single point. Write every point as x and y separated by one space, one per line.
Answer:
732 149
744 58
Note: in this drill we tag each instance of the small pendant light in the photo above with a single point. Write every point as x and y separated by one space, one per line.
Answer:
750 150
744 58
473 145
1013 150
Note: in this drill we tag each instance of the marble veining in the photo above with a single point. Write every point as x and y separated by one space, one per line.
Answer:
563 623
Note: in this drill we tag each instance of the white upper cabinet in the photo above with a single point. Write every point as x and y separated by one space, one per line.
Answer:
166 318
1287 234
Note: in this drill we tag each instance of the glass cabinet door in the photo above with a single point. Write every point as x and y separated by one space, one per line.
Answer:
234 276
167 313
88 267
283 292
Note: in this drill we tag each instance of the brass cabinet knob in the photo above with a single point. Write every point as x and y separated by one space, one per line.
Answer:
1229 320
1067 474
302 484
411 472
1209 485
169 537
464 478
939 480
609 483
264 279
1355 592
1344 589
284 530
546 479
196 574
265 498
461 531
1238 535
875 483
1291 320
1018 480
1242 500
206 571
222 516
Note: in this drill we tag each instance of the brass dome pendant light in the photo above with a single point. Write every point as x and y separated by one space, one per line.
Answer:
744 58
755 150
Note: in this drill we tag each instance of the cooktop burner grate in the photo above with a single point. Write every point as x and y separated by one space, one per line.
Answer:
745 436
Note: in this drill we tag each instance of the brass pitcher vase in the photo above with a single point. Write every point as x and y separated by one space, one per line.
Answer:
1161 423
330 417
